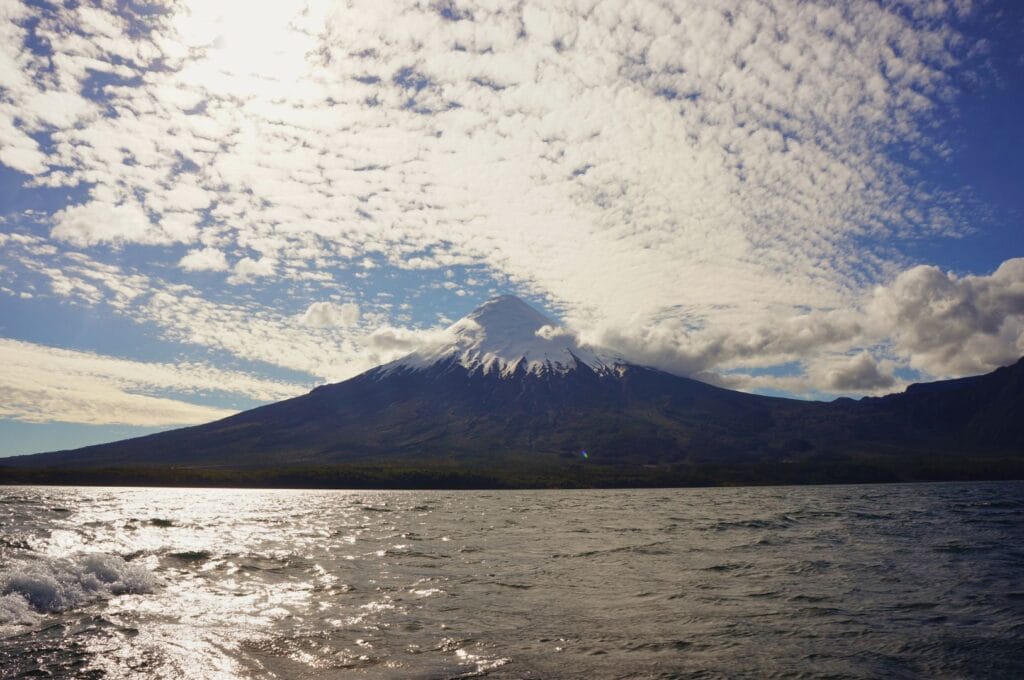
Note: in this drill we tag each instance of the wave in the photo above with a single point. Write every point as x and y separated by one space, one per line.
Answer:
652 548
16 611
191 555
55 585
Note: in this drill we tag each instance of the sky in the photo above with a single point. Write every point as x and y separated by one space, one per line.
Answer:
206 206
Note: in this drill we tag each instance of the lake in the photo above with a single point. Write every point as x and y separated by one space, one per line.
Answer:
843 581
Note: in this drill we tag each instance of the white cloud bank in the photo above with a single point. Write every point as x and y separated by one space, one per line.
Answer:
949 325
936 322
46 384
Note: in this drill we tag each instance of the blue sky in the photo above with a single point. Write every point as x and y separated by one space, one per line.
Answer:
204 208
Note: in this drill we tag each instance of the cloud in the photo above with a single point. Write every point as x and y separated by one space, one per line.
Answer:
328 314
678 347
949 325
19 151
247 270
73 275
678 150
204 259
389 342
821 376
549 332
936 322
99 222
47 384
860 374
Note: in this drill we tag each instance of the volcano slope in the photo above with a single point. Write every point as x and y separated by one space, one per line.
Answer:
513 401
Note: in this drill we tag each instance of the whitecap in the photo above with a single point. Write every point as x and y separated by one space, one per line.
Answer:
16 611
56 585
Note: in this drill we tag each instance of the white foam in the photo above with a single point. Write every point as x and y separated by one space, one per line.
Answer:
56 585
15 611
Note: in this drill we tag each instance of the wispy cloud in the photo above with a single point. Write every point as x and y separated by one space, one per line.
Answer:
45 384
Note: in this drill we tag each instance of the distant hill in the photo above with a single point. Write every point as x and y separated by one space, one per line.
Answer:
514 401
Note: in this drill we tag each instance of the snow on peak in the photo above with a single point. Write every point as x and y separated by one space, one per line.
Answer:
505 332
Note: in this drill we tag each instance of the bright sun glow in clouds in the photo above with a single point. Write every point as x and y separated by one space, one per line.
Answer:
268 52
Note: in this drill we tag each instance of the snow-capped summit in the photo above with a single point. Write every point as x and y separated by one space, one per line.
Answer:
504 333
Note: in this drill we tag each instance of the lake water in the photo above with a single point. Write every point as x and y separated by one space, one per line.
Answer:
851 581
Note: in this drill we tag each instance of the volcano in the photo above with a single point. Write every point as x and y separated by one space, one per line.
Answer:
513 397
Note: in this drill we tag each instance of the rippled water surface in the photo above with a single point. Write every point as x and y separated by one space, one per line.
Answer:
861 581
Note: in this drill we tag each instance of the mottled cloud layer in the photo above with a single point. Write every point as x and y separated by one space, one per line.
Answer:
707 186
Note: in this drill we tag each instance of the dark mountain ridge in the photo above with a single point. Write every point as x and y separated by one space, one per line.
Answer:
537 406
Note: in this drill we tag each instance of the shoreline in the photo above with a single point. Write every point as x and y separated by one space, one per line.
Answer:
404 476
